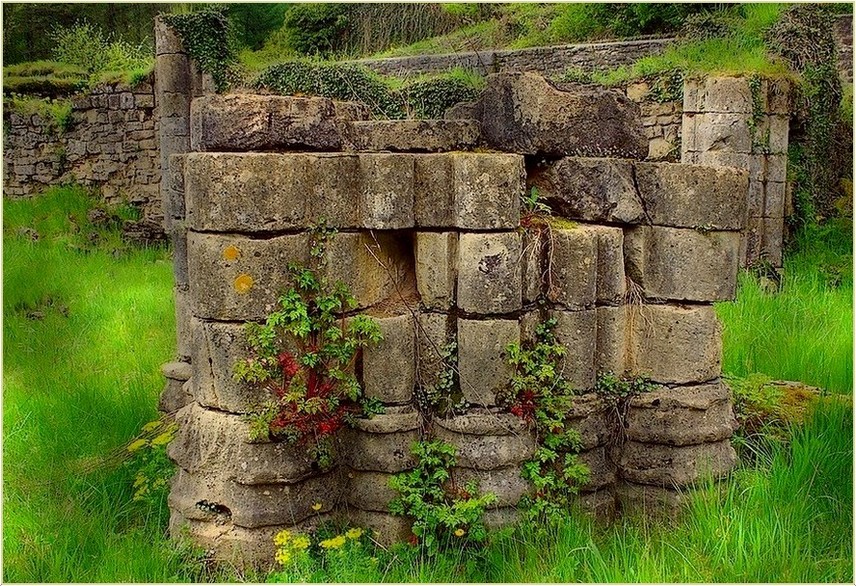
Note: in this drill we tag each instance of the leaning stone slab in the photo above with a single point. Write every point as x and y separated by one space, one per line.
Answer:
217 444
682 416
592 190
691 196
489 275
525 113
682 264
673 466
411 135
482 366
486 452
247 122
389 367
675 344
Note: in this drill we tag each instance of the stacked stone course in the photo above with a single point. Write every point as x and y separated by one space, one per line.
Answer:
430 242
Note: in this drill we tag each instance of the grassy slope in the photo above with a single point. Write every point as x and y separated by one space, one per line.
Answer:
77 387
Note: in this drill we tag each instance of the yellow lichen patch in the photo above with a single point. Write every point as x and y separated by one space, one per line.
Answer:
243 283
231 252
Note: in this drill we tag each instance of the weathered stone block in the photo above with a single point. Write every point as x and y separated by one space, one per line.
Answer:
525 113
369 491
411 135
682 264
175 396
776 168
774 200
671 466
501 517
183 315
387 529
755 164
481 358
178 371
689 196
593 418
487 190
387 192
381 452
612 339
653 501
486 452
389 367
433 333
722 132
675 344
167 39
577 331
489 276
682 416
727 94
772 240
506 483
434 178
237 278
334 195
600 504
755 200
594 190
217 444
533 264
436 259
573 267
611 284
602 471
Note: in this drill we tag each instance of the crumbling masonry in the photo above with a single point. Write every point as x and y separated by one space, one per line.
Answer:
430 242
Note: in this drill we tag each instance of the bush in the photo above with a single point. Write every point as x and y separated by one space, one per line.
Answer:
86 46
315 28
430 98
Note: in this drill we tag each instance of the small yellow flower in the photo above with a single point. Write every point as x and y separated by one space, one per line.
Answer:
282 537
152 425
283 556
334 543
137 445
354 533
316 507
459 532
163 439
300 543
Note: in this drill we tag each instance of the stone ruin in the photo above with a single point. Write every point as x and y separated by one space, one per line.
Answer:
430 243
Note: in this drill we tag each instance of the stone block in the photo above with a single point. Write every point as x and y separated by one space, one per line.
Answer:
689 196
175 396
682 264
173 189
776 168
126 101
178 371
727 94
681 416
593 418
174 105
183 316
411 135
506 483
374 266
238 278
501 517
577 331
389 367
387 192
386 529
489 275
433 332
176 126
482 362
572 267
369 491
434 194
333 193
167 39
533 260
387 452
144 100
487 190
755 200
611 284
722 132
246 122
650 501
772 240
217 444
755 164
252 506
774 200
436 258
660 149
612 339
675 344
675 466
602 472
600 504
486 452
524 113
593 190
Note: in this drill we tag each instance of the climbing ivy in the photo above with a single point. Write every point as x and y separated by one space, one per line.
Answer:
206 35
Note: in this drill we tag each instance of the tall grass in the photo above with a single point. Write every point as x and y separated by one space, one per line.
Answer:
85 330
804 331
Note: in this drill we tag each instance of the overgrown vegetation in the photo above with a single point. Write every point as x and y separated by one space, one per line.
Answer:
56 112
208 38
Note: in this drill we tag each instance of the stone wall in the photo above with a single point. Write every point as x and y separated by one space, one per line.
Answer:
112 145
433 244
549 61
662 121
738 122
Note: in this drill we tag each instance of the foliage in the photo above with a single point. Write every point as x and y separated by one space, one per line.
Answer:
431 97
305 354
443 513
207 36
86 46
621 388
151 466
57 113
444 398
314 29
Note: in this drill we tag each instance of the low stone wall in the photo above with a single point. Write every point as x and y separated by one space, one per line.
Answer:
548 61
662 121
433 244
112 145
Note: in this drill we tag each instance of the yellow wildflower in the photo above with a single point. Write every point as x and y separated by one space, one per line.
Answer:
282 537
316 507
354 533
459 532
163 439
137 445
283 556
152 425
334 543
300 543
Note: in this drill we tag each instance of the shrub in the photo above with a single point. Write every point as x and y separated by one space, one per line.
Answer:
313 29
209 39
430 98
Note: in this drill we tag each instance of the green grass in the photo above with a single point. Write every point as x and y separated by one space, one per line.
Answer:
87 326
805 331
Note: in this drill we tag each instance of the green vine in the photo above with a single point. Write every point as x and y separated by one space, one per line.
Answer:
305 354
444 398
443 513
206 36
759 144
